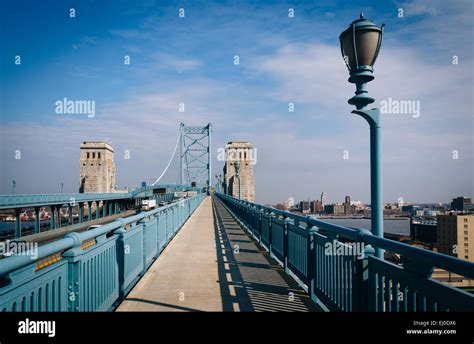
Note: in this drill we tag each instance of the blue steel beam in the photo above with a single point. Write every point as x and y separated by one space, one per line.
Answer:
195 140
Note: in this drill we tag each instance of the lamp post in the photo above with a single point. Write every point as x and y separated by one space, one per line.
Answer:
237 167
360 45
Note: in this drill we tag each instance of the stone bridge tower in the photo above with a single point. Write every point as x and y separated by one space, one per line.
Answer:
247 156
96 167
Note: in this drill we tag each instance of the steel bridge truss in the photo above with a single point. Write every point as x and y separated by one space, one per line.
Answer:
195 155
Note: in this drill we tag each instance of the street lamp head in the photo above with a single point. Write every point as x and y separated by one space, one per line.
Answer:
360 46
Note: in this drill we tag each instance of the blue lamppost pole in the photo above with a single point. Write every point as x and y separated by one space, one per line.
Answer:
360 45
237 167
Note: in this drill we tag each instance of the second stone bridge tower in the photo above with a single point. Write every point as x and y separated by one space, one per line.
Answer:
246 157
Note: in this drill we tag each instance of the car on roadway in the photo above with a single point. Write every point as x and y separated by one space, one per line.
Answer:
93 227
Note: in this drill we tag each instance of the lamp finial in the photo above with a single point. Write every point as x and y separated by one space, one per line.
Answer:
361 15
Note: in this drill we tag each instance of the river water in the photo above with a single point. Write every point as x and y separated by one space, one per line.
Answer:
398 226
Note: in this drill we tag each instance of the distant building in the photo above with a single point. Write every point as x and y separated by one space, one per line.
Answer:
413 210
281 206
96 167
304 207
243 152
291 202
334 209
424 229
462 204
347 205
455 236
324 199
316 207
429 212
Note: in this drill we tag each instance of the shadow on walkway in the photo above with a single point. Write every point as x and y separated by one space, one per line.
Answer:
249 279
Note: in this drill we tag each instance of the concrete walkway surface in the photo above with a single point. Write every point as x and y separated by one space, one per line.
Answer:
213 265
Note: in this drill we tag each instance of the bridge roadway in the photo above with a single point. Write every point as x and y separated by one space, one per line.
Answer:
213 265
49 236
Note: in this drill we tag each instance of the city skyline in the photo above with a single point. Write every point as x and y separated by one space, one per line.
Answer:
355 200
282 60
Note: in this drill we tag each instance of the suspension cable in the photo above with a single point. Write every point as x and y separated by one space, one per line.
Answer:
169 162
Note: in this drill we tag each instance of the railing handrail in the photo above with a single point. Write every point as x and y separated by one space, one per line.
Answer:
8 201
12 263
39 200
429 258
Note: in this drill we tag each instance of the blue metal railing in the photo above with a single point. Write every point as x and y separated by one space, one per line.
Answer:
337 267
33 200
25 200
91 270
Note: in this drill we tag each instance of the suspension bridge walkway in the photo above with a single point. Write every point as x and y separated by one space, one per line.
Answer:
209 253
214 265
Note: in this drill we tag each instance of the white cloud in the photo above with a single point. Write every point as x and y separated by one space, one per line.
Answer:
299 154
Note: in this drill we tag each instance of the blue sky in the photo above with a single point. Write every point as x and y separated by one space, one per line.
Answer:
190 60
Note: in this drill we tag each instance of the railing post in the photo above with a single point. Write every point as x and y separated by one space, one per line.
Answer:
73 292
166 221
58 209
81 212
285 243
311 260
271 216
121 257
97 210
71 218
89 210
259 224
104 208
143 222
250 223
37 220
52 220
360 296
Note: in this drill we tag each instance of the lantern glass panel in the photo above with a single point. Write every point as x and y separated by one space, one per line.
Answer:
348 49
367 42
